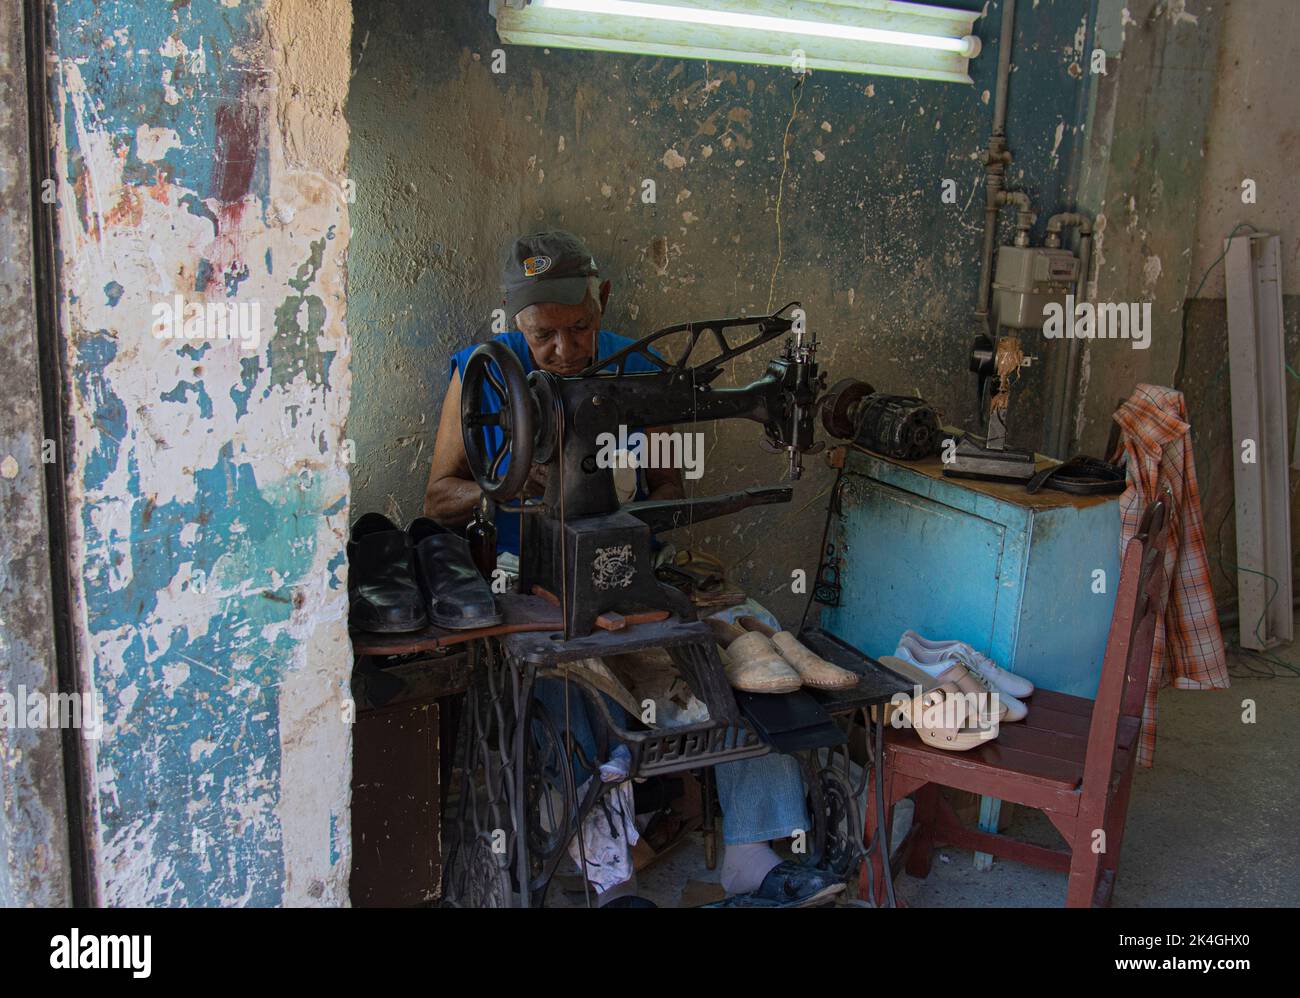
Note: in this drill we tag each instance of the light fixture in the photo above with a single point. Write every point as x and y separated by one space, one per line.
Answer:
882 37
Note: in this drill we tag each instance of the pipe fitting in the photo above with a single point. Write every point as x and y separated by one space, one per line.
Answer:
1071 218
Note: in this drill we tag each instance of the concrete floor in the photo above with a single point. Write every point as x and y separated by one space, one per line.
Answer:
1215 823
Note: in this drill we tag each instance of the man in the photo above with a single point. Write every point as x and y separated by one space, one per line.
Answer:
555 297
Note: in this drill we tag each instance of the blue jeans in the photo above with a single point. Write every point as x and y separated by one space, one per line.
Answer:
761 798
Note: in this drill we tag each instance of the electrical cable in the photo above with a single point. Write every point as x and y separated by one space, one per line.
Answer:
1290 670
780 190
832 507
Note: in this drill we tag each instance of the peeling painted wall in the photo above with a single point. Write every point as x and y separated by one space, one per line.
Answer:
1255 134
450 160
1141 181
201 151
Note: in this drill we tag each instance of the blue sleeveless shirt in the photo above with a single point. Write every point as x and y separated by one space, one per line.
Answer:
607 344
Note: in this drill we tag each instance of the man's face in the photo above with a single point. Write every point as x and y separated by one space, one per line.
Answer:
562 338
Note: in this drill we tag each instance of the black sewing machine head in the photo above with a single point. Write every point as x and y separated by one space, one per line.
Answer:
579 544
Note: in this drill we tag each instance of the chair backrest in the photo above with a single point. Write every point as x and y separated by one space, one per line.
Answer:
1126 668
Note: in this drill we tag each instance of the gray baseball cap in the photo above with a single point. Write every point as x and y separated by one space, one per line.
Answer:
551 266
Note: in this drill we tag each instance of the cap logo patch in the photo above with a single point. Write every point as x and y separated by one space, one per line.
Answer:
535 265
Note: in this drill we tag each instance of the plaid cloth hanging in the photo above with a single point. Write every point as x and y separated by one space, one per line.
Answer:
1188 653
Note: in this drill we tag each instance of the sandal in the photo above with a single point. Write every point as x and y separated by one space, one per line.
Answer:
956 674
940 716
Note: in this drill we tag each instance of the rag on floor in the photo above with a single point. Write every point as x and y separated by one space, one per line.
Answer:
1188 653
608 834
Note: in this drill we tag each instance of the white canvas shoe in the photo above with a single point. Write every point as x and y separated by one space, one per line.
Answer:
1016 711
932 664
924 648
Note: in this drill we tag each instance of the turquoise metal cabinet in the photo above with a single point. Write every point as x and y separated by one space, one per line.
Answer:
1027 580
1016 576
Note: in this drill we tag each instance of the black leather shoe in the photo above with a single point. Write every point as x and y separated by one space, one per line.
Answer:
792 885
789 884
456 595
382 591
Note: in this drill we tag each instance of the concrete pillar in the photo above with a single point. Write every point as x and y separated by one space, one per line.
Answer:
34 869
203 229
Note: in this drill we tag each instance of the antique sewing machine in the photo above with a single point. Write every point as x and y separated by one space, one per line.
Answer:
593 555
579 544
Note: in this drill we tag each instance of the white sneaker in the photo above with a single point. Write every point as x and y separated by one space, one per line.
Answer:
937 662
932 664
1008 682
1016 711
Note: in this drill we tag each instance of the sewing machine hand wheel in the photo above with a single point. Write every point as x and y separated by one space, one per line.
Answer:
494 364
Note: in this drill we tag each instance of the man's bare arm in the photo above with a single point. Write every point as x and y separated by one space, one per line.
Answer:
663 483
452 493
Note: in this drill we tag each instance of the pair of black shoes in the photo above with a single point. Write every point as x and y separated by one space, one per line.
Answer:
404 580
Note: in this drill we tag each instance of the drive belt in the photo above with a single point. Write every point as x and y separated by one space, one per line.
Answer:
1081 476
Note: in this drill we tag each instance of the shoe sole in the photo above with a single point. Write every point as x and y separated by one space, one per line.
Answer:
401 627
1004 689
459 625
825 894
839 686
912 673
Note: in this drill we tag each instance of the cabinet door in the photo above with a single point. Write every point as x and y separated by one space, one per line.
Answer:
907 561
395 842
1069 596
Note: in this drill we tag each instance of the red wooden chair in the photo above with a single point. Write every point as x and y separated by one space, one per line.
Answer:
1070 758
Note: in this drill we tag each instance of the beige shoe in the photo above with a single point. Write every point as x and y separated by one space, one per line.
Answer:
750 661
937 718
971 685
957 675
941 715
814 670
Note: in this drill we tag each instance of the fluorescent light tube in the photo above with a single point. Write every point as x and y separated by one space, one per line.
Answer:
968 46
880 37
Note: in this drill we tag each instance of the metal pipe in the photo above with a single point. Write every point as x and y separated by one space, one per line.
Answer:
996 159
993 187
1004 67
1066 380
1062 219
